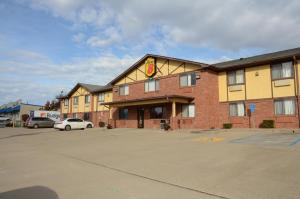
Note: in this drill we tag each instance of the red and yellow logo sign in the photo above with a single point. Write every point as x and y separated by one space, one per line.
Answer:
150 67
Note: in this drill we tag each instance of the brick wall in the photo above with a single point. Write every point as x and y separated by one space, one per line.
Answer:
264 111
205 94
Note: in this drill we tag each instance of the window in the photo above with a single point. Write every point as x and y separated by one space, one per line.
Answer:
237 109
66 102
157 112
87 99
86 116
236 77
284 107
65 115
74 115
101 97
282 70
188 110
151 85
124 90
188 79
123 114
75 102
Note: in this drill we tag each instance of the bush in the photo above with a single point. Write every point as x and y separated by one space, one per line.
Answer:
267 124
101 124
109 126
227 126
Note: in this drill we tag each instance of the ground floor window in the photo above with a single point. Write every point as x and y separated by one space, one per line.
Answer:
157 112
188 110
284 107
86 116
74 115
123 114
237 109
65 115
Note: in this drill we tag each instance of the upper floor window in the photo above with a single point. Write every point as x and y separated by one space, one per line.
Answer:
282 70
236 77
188 79
87 99
124 89
188 110
101 97
123 114
66 102
75 102
284 107
157 112
151 85
237 109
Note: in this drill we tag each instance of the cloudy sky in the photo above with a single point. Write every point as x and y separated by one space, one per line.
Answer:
47 46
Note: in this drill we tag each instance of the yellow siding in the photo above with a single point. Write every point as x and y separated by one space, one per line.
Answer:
258 82
107 98
222 86
163 69
236 95
81 107
284 91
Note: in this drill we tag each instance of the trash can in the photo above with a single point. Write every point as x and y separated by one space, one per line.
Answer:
162 124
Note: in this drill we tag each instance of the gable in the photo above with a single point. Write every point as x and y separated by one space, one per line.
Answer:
164 67
80 91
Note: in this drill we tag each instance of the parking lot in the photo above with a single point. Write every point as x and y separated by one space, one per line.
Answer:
132 163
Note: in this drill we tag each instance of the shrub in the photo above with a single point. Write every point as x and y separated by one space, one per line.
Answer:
109 126
166 127
101 124
227 126
267 124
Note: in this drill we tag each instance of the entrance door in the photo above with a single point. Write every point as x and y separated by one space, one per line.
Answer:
140 118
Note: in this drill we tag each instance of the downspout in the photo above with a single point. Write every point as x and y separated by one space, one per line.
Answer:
297 94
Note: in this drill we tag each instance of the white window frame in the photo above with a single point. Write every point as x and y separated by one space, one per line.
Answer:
190 110
234 75
283 105
237 106
101 97
151 81
87 99
282 72
126 89
189 79
77 100
66 102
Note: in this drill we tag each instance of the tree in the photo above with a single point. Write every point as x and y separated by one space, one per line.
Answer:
47 106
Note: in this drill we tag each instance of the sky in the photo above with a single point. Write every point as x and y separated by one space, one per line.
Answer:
47 46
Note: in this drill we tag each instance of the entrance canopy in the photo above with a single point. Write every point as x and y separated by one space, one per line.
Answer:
150 100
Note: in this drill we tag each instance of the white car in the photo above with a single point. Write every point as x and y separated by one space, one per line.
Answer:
73 123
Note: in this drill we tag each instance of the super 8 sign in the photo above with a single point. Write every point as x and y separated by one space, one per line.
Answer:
150 67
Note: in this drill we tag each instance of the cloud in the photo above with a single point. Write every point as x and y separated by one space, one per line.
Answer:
78 38
109 36
234 25
34 77
99 69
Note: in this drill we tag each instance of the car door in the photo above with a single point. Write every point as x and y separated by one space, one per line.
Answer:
48 122
80 123
72 123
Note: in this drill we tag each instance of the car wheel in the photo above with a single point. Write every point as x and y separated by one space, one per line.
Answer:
89 126
68 128
35 126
